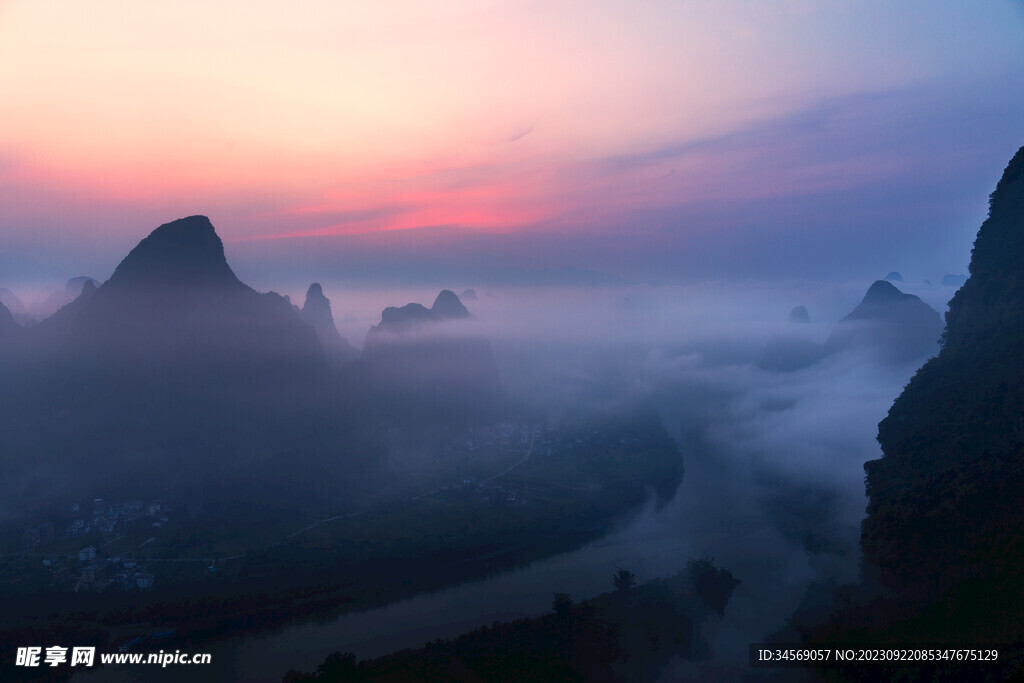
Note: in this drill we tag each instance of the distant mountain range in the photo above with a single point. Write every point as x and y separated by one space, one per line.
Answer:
414 360
894 326
174 373
447 306
900 326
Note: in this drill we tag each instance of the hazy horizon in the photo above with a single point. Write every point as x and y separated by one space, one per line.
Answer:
404 147
638 194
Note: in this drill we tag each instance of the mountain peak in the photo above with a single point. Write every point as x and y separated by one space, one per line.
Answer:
185 252
315 293
799 314
882 291
447 305
316 312
900 325
883 301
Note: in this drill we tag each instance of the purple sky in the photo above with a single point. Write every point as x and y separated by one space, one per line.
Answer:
477 142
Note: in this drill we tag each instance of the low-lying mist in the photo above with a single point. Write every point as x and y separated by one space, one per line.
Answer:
774 481
774 484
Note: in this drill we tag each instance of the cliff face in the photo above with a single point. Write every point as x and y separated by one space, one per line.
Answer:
945 501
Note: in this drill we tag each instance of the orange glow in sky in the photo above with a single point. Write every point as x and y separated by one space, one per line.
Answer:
486 115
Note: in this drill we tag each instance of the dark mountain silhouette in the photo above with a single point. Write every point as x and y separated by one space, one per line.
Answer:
799 314
175 299
416 359
394 316
185 253
945 516
899 326
316 312
175 371
447 306
884 303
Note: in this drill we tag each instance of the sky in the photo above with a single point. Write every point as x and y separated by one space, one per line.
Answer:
477 141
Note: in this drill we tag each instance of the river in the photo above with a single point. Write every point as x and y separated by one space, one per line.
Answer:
651 543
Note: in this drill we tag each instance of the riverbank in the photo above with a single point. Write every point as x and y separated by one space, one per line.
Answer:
631 633
562 498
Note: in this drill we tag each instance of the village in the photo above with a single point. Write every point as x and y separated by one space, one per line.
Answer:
76 556
114 545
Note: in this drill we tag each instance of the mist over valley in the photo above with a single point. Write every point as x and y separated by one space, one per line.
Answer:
505 341
266 436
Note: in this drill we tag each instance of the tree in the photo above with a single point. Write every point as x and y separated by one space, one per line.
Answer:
339 667
562 605
714 586
623 581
